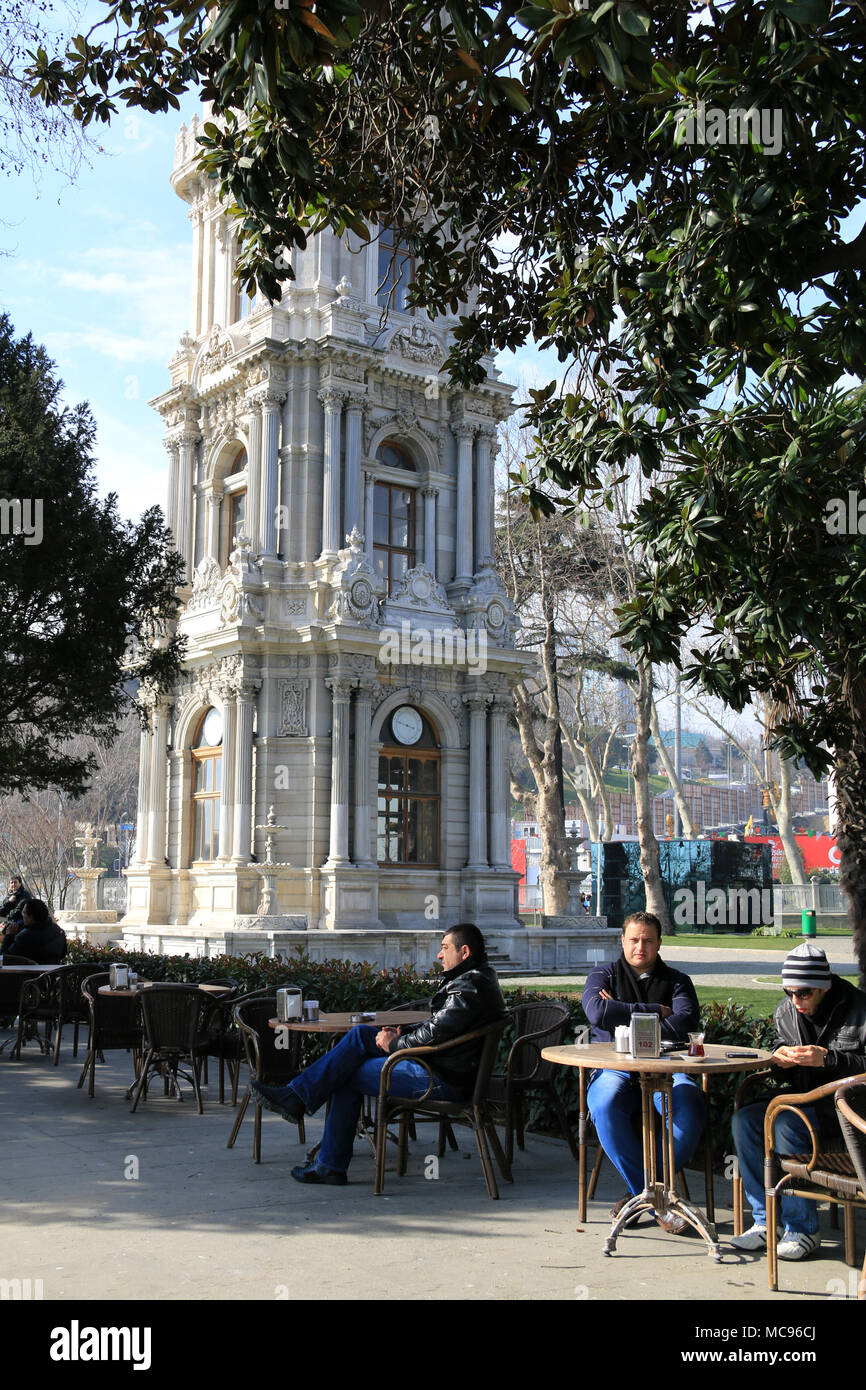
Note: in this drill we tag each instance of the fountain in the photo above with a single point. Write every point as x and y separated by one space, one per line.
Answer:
267 917
87 915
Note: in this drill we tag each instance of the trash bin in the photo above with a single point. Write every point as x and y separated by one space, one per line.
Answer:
809 921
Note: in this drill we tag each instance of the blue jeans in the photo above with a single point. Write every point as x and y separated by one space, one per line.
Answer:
791 1137
346 1074
614 1102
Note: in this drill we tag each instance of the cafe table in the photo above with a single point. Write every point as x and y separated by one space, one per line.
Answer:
218 991
656 1078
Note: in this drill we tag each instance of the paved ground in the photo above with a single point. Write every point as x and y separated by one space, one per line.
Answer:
99 1203
714 966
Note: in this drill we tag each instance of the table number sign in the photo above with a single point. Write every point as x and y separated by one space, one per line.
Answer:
645 1035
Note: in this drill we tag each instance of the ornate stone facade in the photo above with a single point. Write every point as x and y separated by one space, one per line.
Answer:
330 493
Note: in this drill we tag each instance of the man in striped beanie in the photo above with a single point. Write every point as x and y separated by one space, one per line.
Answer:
821 1037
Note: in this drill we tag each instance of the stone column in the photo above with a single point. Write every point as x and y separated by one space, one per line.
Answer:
267 531
254 475
484 504
333 403
369 485
228 775
158 770
145 755
341 695
463 434
171 448
363 709
243 808
477 703
213 493
354 518
499 847
187 443
430 496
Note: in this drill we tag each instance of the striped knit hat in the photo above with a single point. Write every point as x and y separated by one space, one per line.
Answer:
806 968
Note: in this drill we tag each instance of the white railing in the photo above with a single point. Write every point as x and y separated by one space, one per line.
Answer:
826 898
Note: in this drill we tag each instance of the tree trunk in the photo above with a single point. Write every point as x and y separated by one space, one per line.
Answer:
850 780
686 821
782 809
649 849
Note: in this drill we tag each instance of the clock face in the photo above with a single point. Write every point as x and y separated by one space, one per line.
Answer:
407 725
212 729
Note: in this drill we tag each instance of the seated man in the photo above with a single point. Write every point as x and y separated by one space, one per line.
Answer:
821 1037
38 937
640 982
468 997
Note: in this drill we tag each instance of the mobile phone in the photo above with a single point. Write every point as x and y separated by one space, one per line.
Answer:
741 1054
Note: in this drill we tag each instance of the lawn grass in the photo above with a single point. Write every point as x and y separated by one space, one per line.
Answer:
732 941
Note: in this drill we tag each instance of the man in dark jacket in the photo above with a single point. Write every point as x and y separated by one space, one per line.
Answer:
38 937
640 982
821 1037
468 997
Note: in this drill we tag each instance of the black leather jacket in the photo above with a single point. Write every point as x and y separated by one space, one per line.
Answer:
45 944
10 910
467 998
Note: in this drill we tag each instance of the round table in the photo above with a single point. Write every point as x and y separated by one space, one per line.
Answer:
218 991
341 1023
656 1077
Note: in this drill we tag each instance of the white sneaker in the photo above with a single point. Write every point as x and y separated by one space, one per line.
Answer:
795 1245
753 1239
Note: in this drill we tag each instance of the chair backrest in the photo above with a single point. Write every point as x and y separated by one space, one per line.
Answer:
71 979
114 1018
854 1097
273 1055
17 960
486 1062
550 1019
175 1016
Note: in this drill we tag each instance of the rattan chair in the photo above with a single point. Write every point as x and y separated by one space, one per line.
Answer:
828 1173
115 1025
17 960
269 1061
586 1132
474 1110
39 1003
851 1110
223 1042
72 1006
176 1020
535 1026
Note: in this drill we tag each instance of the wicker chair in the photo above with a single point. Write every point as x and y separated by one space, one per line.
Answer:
223 1042
72 1006
39 1002
176 1020
270 1064
828 1173
17 960
115 1025
851 1110
586 1131
474 1110
535 1026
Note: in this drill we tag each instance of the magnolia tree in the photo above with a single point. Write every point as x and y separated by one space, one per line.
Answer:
663 190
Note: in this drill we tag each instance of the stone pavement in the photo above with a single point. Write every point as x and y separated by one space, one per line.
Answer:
99 1203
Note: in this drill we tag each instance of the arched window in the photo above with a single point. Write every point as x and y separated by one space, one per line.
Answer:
207 766
396 272
394 518
407 829
234 505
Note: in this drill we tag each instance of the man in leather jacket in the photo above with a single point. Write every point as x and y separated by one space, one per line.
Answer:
468 997
10 909
821 1037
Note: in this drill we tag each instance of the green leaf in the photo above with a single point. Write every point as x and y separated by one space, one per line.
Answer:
610 64
633 20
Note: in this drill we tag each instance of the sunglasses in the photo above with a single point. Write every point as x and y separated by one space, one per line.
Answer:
799 993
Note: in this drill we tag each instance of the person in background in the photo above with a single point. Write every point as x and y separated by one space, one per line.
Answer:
10 908
38 937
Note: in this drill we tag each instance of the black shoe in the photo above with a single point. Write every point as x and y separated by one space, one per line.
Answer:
275 1098
310 1173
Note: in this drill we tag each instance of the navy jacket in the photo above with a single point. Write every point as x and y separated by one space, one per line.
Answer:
605 1015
